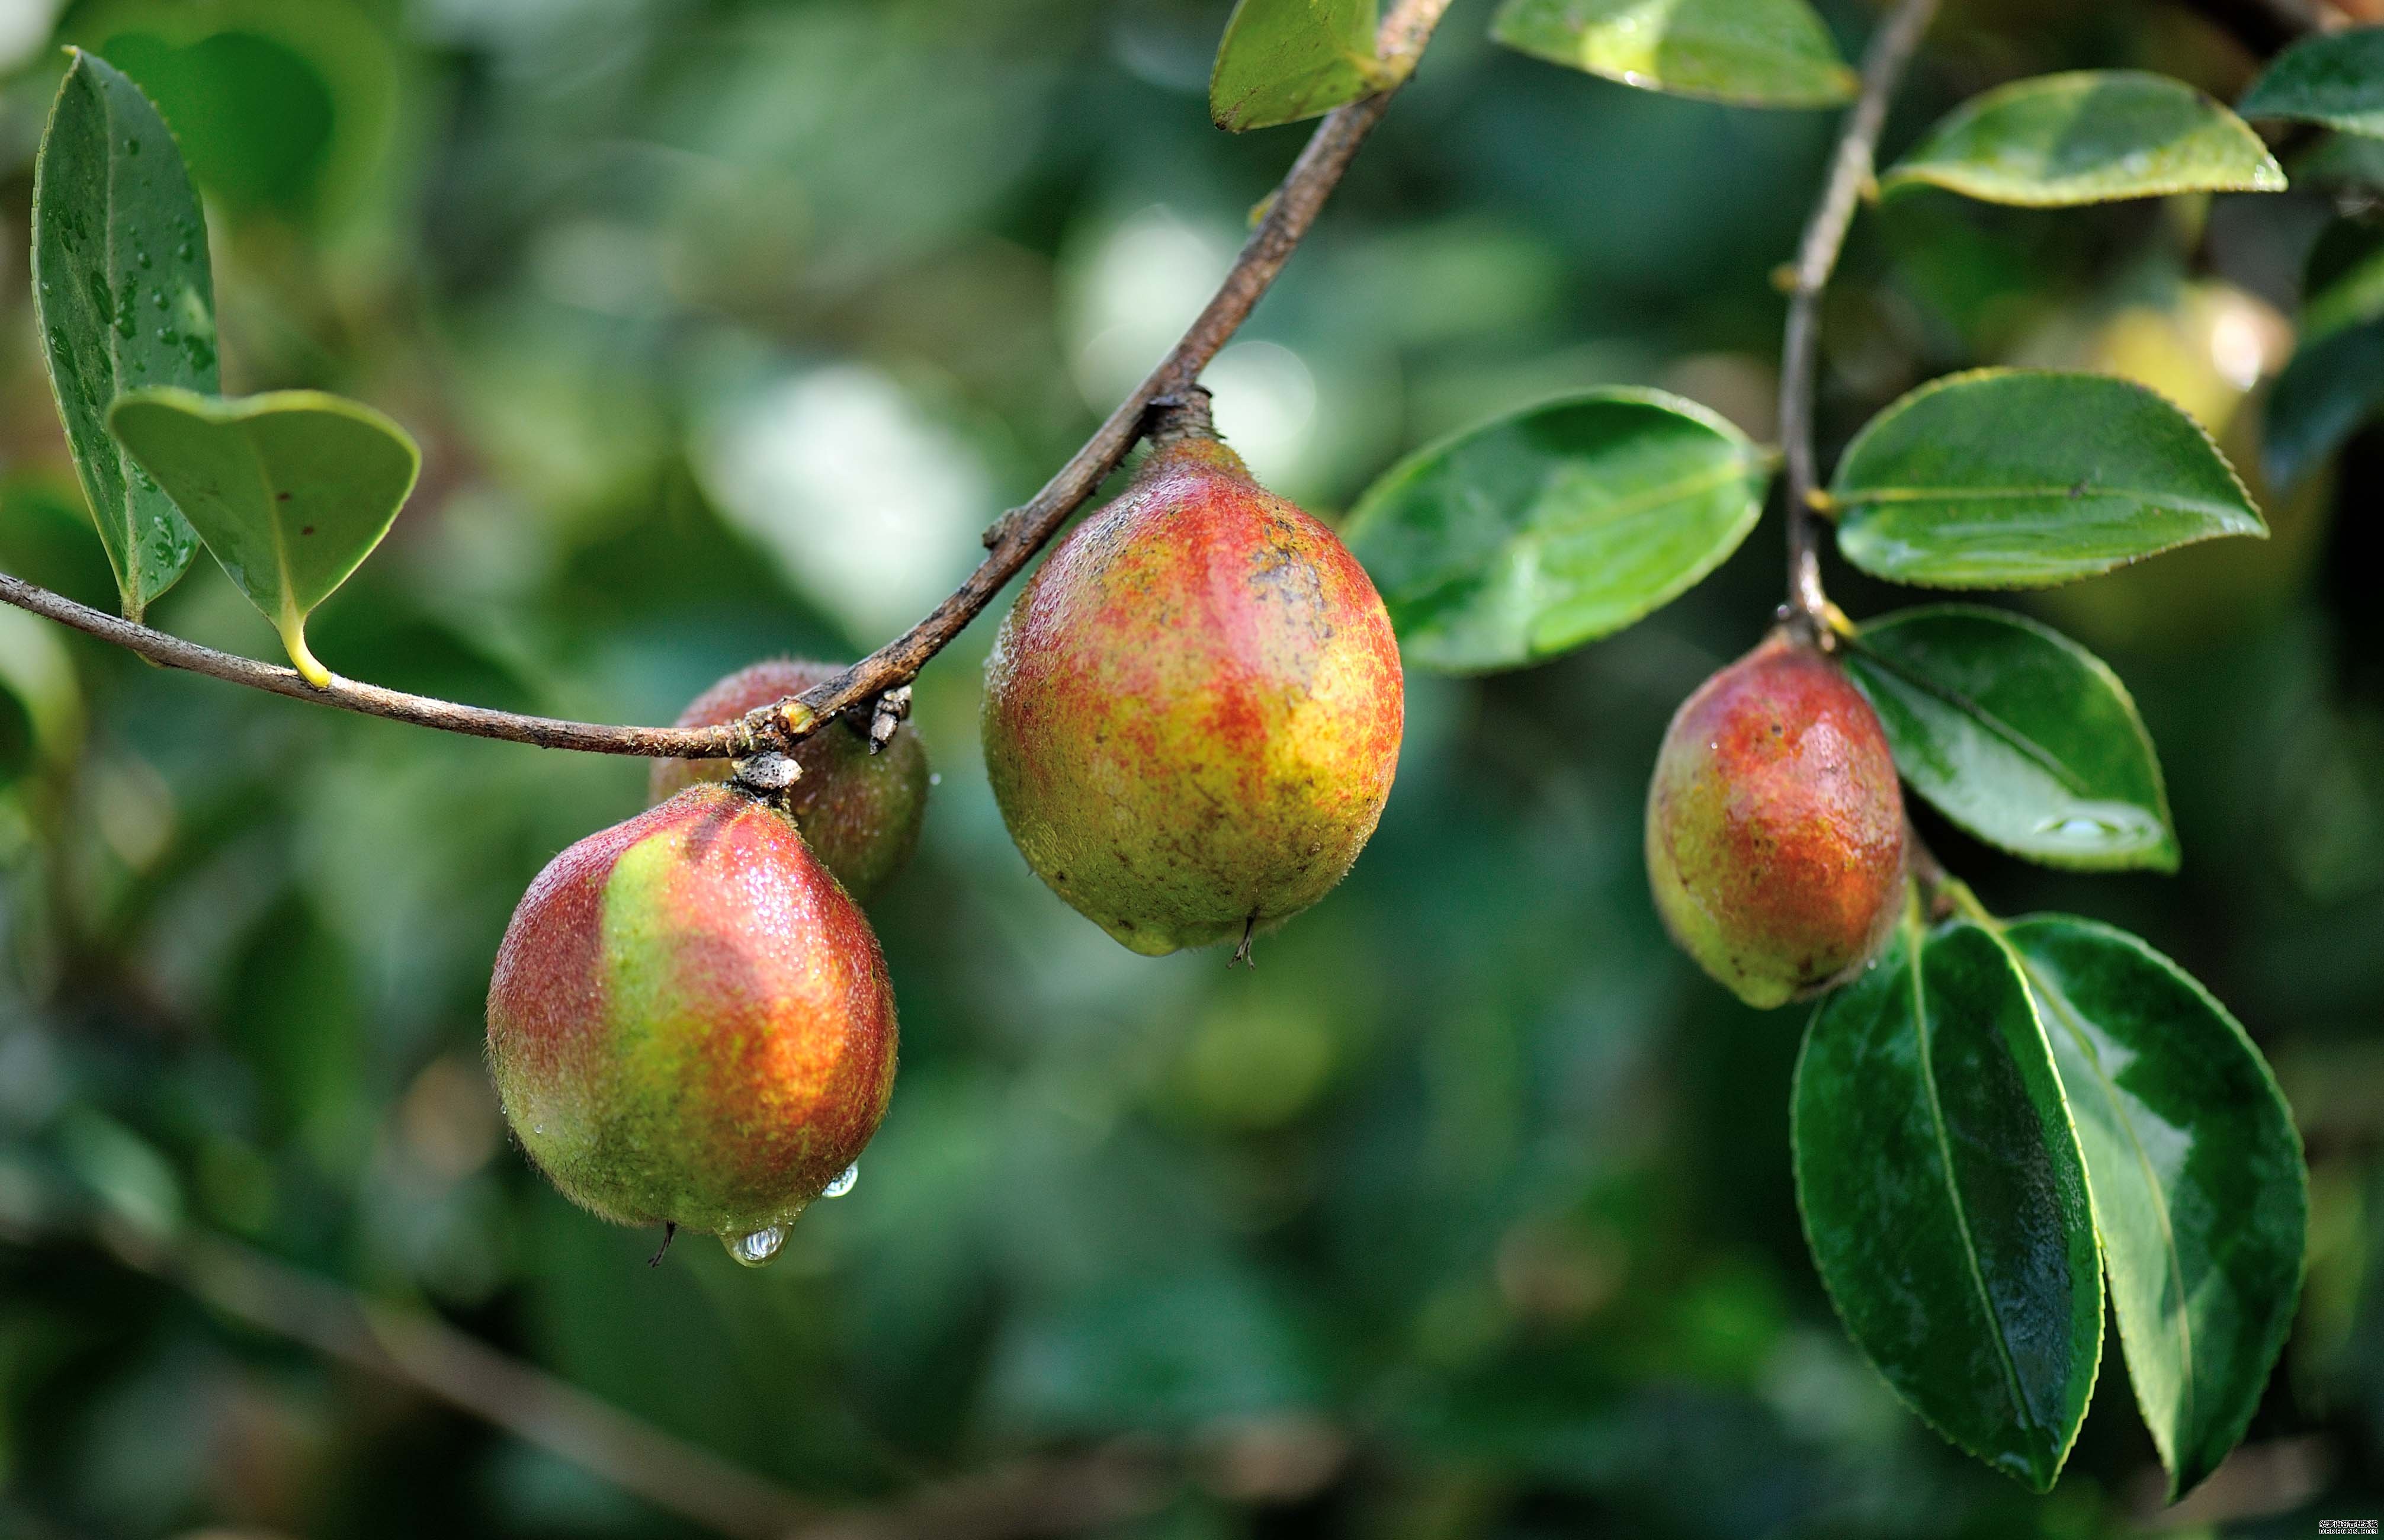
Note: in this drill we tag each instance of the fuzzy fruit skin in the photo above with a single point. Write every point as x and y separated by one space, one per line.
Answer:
1775 827
690 1021
1192 715
859 810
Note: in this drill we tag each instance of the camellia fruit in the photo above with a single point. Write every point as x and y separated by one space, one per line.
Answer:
861 812
1192 715
1775 827
690 1024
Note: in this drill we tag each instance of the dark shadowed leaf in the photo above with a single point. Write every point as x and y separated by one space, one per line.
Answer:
291 490
1283 60
1755 52
2014 479
2017 734
2332 385
1945 1199
1559 523
125 298
2199 1189
2336 79
2087 137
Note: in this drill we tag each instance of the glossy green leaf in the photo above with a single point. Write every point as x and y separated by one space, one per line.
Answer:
2342 284
2336 79
1283 60
2014 479
2019 734
2200 1194
2332 387
1559 523
291 490
1945 1199
2089 136
125 298
1754 52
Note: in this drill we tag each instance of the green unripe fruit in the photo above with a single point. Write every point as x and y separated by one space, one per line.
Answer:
691 1023
861 812
1192 715
1775 827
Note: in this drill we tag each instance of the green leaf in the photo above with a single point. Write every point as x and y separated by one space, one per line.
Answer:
2016 479
1945 1199
2019 734
291 490
125 298
2089 137
2336 79
2330 388
1754 52
2342 283
2196 1172
1283 60
1561 522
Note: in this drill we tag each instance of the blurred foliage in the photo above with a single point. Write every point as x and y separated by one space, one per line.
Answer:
725 325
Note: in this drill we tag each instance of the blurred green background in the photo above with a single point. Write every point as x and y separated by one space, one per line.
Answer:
727 325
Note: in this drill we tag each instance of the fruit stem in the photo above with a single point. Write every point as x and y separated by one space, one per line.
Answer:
1180 415
1816 256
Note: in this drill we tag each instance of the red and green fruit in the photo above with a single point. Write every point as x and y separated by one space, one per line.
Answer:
1192 715
861 812
1775 827
690 1024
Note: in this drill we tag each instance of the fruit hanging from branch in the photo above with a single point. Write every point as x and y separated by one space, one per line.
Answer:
1192 715
1775 827
859 809
690 1024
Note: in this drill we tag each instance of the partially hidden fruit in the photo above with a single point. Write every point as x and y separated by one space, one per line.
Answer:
861 812
690 1024
1192 715
1775 827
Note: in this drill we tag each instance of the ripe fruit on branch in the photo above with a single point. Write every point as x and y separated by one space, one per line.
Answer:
1775 827
1192 715
861 812
690 1024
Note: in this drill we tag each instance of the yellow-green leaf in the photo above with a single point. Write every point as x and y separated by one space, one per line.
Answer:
2088 136
1283 60
1751 52
291 490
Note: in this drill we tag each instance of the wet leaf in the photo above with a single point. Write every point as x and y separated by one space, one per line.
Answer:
125 299
2019 734
291 490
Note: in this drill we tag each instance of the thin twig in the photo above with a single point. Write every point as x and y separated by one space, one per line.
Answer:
1817 257
1013 541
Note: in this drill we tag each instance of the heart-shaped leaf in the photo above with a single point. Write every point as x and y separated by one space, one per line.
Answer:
125 299
2088 137
2330 388
1945 1197
291 490
2017 478
2017 734
2336 79
1557 524
2199 1190
1752 53
1283 60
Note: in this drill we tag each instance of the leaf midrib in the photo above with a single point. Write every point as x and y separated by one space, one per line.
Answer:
2026 747
1953 1186
2069 490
